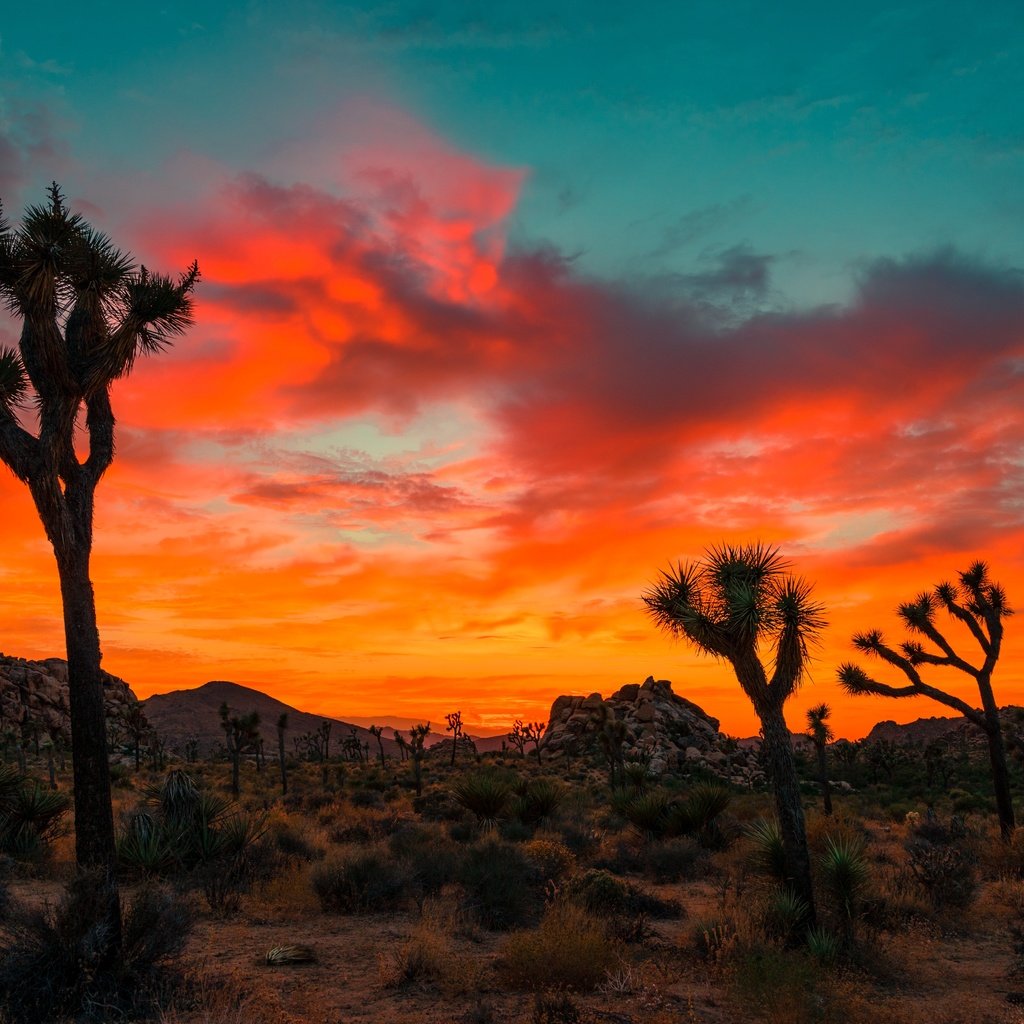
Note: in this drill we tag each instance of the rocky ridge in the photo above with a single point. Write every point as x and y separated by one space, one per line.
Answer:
675 733
34 698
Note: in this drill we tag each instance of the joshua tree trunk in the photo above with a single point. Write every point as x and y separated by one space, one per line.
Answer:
1000 776
94 817
778 750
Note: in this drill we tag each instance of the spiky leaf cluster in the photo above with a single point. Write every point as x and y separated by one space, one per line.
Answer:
737 601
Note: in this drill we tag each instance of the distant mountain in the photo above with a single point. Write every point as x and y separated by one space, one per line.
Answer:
924 730
181 714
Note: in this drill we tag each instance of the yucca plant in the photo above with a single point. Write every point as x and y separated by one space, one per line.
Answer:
825 946
769 849
647 812
846 874
31 811
539 799
484 795
145 846
697 812
785 916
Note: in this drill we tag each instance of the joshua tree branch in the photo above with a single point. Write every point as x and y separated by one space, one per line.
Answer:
19 450
961 613
100 421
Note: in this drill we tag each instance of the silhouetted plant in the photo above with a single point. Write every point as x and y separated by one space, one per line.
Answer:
821 735
87 314
980 605
536 800
55 965
417 744
845 874
484 794
454 720
732 605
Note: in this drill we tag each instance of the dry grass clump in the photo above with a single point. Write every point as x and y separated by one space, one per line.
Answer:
570 949
552 859
429 955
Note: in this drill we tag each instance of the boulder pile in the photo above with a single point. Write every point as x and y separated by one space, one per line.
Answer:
34 698
669 732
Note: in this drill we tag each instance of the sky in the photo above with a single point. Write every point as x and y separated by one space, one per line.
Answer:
504 308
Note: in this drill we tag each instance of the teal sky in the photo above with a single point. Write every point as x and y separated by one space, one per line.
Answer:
656 136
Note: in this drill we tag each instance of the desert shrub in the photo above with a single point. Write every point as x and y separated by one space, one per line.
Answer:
945 872
555 1007
605 896
52 966
537 800
366 798
292 843
697 814
145 846
647 812
785 916
769 852
431 859
428 955
553 860
780 985
599 892
825 946
713 940
502 887
845 874
484 794
359 881
30 816
569 950
670 860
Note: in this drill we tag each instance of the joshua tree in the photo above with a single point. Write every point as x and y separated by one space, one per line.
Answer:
417 738
240 735
377 732
821 735
87 314
137 727
979 604
454 726
403 744
517 737
734 604
534 733
282 727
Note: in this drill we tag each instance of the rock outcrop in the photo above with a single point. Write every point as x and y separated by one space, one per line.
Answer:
34 698
673 732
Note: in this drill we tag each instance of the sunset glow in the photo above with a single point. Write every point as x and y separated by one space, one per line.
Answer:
430 439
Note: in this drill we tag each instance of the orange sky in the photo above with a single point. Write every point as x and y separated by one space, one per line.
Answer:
404 465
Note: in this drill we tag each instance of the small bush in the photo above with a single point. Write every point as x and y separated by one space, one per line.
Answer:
502 887
569 950
553 861
671 860
52 966
359 881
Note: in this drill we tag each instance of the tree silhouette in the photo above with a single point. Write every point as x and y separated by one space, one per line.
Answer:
282 727
733 604
454 726
241 734
977 603
87 313
377 731
821 735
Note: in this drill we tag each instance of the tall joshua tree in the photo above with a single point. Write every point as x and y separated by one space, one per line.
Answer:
282 728
977 603
734 604
87 313
821 735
